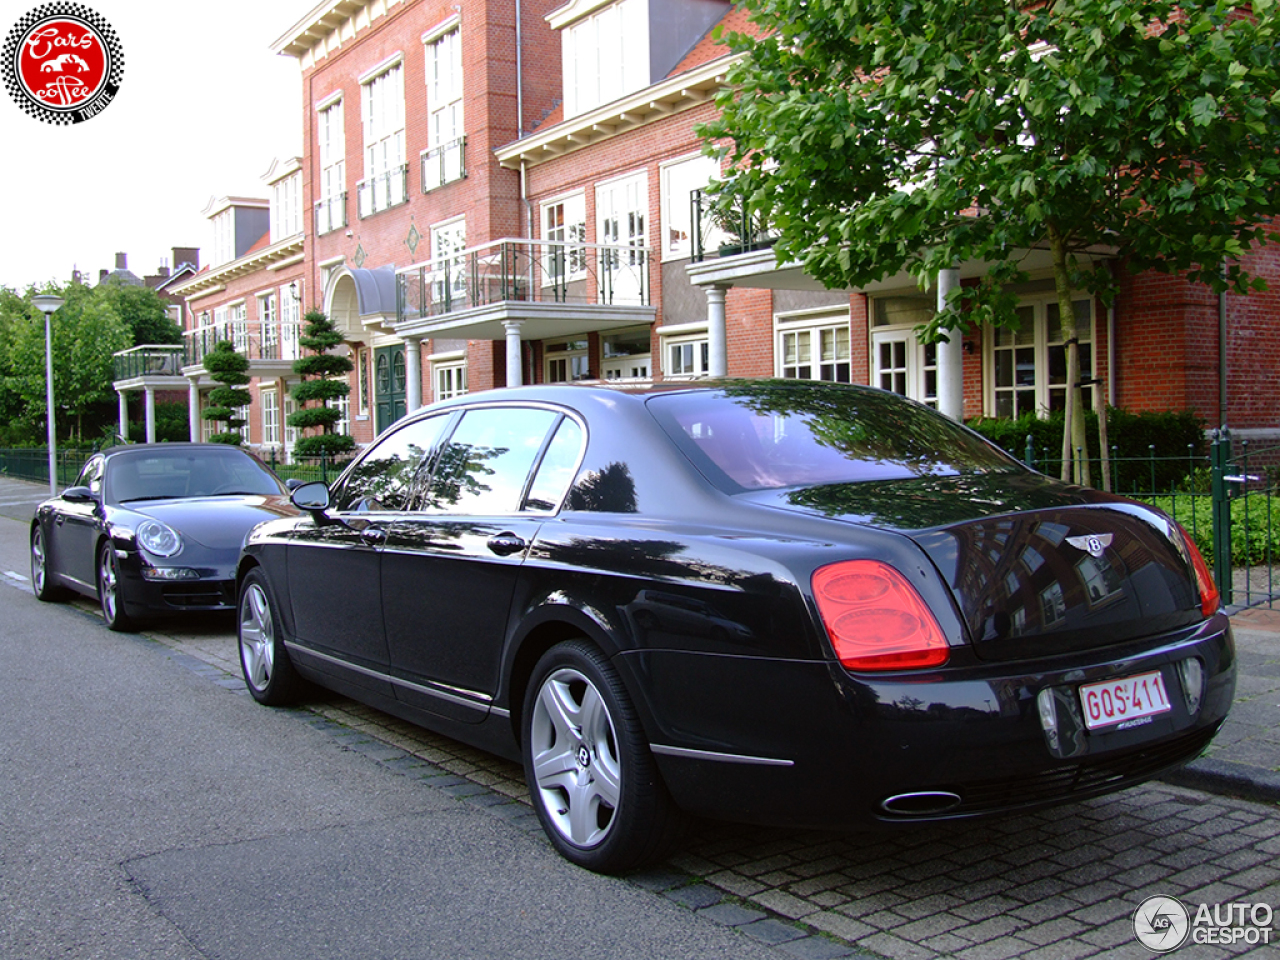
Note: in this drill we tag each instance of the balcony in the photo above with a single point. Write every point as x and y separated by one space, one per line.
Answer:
145 362
720 234
383 191
331 214
444 164
555 288
270 350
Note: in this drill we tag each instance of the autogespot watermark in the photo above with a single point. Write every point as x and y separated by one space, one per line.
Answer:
1162 924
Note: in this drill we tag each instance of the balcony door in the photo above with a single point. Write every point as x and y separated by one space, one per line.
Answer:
620 223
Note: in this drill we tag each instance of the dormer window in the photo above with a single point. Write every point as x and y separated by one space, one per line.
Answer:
286 207
224 237
605 55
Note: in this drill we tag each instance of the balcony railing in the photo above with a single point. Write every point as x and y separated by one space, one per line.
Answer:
528 270
151 360
385 190
725 235
444 164
331 213
280 344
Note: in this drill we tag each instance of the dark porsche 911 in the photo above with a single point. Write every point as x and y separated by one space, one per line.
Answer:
153 528
773 602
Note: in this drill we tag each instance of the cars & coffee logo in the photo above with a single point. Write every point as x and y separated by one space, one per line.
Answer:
62 63
1162 924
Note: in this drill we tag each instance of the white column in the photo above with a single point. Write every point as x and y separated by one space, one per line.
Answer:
123 399
717 337
950 355
151 414
413 373
515 363
193 409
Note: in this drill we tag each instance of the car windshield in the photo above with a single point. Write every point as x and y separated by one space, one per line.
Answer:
767 436
186 473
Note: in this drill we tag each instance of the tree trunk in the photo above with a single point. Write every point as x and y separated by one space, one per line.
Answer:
1075 459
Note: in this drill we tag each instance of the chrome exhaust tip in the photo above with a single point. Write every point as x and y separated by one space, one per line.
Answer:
921 803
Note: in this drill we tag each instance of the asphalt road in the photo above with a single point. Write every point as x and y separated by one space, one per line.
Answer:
148 813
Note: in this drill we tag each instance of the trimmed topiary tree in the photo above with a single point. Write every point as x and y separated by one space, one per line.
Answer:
229 368
318 387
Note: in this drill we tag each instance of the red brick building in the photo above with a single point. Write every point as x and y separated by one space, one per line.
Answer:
500 192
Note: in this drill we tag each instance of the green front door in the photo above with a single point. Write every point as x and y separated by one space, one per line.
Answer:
388 385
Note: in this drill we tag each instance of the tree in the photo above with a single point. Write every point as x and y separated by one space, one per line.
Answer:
919 134
318 372
228 368
86 332
142 310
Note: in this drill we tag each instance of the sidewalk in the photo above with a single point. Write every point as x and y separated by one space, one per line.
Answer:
1244 758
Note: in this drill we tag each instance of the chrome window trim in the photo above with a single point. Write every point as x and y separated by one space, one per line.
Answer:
691 754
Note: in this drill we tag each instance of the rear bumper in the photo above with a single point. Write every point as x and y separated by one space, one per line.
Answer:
807 744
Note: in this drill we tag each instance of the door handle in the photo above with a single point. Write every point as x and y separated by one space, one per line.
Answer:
373 536
505 544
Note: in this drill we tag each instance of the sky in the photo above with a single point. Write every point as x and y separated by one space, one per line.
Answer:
203 110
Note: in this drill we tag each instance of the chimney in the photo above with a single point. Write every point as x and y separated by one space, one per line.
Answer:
122 261
189 255
102 275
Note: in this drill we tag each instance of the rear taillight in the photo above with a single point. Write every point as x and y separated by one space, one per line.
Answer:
1209 597
876 619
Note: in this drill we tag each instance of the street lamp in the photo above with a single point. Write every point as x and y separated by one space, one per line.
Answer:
48 304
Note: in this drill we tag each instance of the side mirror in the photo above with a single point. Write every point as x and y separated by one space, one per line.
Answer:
311 497
78 495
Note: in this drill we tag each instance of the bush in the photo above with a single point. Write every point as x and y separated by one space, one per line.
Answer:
1151 451
1255 537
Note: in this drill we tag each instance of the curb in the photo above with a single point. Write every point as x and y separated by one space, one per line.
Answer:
1227 778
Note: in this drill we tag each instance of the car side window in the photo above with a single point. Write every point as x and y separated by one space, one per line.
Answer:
91 476
383 478
485 464
557 469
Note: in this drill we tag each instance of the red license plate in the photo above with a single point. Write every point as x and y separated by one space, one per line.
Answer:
1129 698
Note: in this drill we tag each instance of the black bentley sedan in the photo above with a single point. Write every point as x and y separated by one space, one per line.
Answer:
153 528
775 602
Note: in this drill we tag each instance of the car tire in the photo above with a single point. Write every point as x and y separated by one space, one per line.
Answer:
110 591
264 662
41 579
592 779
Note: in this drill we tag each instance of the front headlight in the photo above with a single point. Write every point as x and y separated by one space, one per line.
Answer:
159 539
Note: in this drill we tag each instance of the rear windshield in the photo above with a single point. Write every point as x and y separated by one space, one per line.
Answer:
764 436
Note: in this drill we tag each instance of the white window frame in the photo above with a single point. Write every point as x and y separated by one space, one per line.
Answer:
678 179
566 365
448 240
343 405
224 237
331 208
694 354
446 128
622 211
286 207
269 399
268 326
385 177
290 320
363 356
1046 337
449 377
288 406
564 221
636 366
813 331
237 318
605 56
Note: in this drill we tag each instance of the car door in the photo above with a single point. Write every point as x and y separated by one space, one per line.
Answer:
74 531
334 575
450 567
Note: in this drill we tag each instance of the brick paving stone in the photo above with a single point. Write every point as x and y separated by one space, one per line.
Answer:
734 883
821 883
766 865
784 904
871 886
1063 950
946 944
1143 875
1117 932
1053 931
817 948
777 878
837 924
1041 911
695 895
827 899
993 929
1101 913
771 931
1195 877
896 948
989 907
915 908
1098 892
731 914
930 926
995 950
884 919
